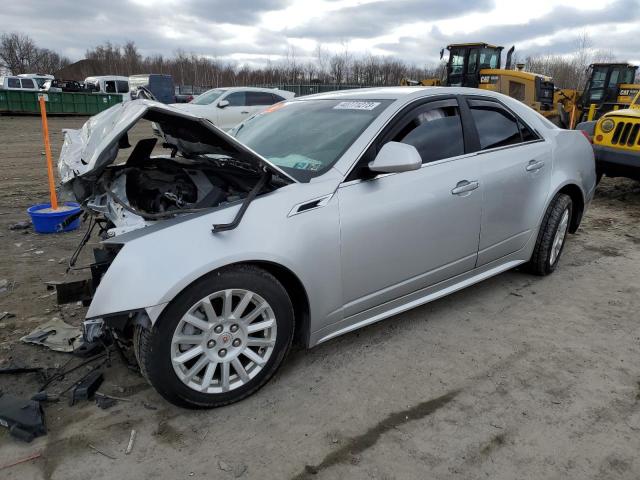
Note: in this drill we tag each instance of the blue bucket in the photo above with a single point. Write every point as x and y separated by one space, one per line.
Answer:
51 222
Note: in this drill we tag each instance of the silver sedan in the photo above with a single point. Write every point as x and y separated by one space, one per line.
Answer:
311 219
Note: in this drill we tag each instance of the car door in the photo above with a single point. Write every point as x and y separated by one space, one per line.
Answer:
516 173
258 101
405 231
234 113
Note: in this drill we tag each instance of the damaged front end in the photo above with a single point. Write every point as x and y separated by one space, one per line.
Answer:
192 167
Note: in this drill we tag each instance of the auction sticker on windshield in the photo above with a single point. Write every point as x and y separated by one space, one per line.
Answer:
356 105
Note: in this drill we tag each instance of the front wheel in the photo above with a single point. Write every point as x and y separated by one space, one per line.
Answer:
220 340
552 235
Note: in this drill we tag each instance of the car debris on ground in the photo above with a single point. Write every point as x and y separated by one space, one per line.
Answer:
56 335
23 418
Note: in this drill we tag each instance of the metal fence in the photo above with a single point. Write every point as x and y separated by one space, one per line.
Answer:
310 89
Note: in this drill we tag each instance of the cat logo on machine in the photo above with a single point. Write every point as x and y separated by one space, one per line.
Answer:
629 92
486 79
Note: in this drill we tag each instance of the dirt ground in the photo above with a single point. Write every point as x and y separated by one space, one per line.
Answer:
517 377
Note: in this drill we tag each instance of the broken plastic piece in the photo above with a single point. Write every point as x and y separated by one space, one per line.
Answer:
86 388
23 418
105 401
56 335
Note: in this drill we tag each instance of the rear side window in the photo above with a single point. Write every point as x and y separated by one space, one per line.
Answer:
123 86
236 99
496 126
259 98
27 83
13 83
435 130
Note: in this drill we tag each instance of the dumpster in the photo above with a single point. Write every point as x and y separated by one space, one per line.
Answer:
58 103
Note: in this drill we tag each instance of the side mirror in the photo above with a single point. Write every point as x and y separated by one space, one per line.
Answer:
396 157
223 103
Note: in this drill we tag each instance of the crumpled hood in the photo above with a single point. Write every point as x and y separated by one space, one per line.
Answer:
88 151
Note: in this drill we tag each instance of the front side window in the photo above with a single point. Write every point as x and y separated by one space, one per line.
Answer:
207 97
489 58
236 99
110 86
259 98
305 138
123 86
13 83
496 126
435 130
457 62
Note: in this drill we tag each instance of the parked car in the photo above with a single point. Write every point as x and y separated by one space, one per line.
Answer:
227 107
616 141
57 85
319 216
161 86
19 84
109 84
39 78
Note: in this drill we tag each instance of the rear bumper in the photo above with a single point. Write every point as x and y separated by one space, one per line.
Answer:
615 162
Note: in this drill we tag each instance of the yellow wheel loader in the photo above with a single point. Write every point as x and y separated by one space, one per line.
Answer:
609 87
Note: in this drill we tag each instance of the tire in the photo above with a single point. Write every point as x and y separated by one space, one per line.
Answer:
558 216
188 383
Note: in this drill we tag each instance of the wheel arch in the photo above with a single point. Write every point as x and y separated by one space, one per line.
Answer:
291 283
577 198
297 294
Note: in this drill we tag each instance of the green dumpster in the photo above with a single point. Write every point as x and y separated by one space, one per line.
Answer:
58 103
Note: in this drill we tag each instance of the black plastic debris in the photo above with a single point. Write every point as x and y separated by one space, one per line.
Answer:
21 225
105 401
16 370
23 418
86 387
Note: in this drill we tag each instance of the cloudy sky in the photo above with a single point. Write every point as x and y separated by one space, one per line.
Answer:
254 31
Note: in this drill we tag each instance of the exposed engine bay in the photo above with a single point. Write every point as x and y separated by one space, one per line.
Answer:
198 167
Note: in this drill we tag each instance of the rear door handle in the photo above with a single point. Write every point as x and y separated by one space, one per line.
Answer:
465 186
534 165
244 112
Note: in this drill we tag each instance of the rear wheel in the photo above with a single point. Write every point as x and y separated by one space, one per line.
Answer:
552 235
220 340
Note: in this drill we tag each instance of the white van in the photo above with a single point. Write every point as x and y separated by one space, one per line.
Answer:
109 84
18 83
39 78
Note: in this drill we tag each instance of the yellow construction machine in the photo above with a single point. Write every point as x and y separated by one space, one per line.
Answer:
609 87
477 65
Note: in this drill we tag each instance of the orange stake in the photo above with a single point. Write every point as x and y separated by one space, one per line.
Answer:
47 151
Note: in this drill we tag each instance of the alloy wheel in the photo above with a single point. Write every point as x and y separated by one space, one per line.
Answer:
558 239
223 341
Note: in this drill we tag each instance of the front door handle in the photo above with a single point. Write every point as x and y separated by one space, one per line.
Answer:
534 165
244 112
465 186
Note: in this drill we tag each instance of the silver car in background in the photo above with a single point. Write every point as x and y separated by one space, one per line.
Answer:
314 218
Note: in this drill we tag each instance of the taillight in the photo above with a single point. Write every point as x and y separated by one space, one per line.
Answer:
587 136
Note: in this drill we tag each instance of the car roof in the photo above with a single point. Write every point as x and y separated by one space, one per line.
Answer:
396 93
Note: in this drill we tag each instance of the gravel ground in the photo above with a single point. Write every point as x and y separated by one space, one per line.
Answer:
516 377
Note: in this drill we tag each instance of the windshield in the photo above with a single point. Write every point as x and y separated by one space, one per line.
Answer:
208 97
305 138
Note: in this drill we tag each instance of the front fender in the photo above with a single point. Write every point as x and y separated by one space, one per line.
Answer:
151 269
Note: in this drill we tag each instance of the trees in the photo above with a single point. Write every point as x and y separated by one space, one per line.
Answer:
19 54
